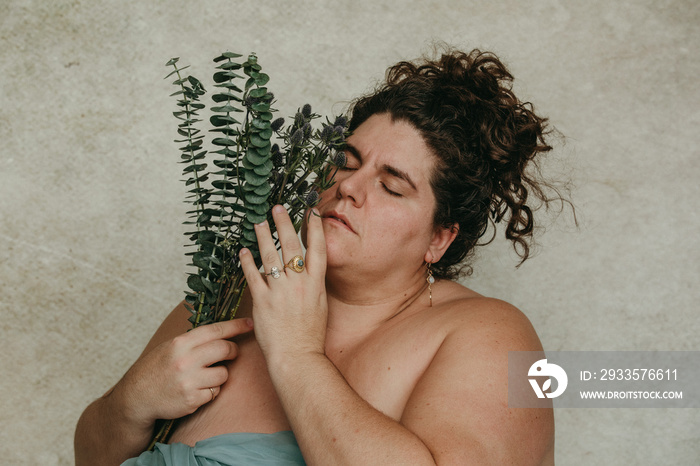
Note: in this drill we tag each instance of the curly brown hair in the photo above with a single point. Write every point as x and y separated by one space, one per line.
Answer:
484 138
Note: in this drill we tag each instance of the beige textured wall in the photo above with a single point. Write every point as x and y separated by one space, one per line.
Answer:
90 193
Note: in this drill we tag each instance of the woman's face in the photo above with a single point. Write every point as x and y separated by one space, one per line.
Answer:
377 217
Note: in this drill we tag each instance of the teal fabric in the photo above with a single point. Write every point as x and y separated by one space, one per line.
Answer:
235 449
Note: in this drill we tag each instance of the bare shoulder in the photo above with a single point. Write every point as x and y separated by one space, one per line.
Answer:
490 324
175 324
459 407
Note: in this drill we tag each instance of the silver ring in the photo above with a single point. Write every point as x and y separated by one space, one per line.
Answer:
274 272
211 389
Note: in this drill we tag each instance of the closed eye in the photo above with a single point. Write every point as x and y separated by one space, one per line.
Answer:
393 193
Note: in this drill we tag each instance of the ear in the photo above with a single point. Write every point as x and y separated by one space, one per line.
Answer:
441 240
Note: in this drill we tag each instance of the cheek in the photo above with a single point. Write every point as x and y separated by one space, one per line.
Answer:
329 193
407 226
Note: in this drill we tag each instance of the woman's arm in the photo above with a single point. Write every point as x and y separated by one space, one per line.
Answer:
169 380
456 414
458 411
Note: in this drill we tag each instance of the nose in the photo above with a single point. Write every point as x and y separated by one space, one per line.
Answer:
351 187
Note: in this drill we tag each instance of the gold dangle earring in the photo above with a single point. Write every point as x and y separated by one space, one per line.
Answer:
430 281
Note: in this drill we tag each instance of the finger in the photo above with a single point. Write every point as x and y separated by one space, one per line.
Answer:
220 330
215 352
268 251
208 394
316 245
250 270
214 377
289 241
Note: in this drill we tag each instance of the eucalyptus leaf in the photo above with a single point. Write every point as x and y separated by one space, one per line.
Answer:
258 141
208 284
223 142
195 167
234 207
253 178
226 130
254 217
224 109
264 169
263 190
221 120
223 184
195 283
260 124
259 209
226 56
229 85
265 133
225 97
225 163
231 65
261 79
258 92
250 234
261 107
223 76
205 235
253 156
251 198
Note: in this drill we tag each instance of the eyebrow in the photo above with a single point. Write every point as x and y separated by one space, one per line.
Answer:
393 171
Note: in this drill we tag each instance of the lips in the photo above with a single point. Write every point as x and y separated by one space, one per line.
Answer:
338 218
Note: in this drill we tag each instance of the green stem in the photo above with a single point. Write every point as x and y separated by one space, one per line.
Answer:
198 206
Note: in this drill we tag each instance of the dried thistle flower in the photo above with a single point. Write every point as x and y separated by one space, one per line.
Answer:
341 121
326 133
297 137
277 124
311 198
339 159
299 120
276 156
306 111
301 189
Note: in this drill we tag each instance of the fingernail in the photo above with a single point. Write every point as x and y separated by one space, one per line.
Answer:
249 322
243 252
264 222
278 209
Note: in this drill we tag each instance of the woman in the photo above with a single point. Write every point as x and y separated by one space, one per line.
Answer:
367 352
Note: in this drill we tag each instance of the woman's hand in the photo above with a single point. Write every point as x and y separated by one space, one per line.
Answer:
180 375
290 311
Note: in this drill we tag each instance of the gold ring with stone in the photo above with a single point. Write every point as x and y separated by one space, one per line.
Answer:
296 263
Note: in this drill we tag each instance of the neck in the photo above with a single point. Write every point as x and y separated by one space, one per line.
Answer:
357 306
